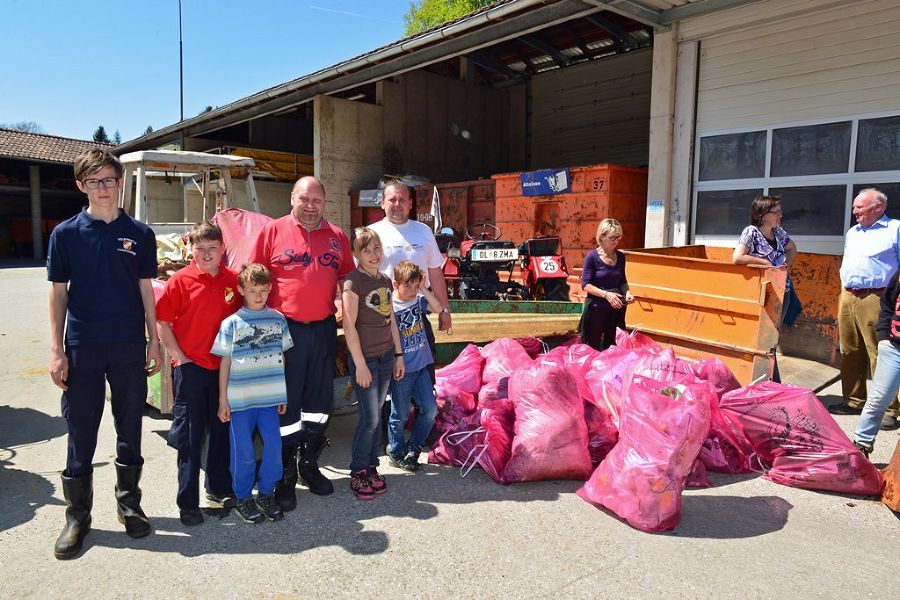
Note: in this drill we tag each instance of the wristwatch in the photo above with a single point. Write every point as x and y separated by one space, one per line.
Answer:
446 309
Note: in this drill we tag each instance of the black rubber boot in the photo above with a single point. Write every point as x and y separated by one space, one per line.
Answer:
286 489
308 464
128 501
79 495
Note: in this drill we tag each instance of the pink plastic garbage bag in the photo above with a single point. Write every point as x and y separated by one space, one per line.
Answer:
240 228
465 371
635 340
453 404
498 421
577 359
501 358
797 441
713 370
550 433
663 366
460 445
606 378
660 434
723 449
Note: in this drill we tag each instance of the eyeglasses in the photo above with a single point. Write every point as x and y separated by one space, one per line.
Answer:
613 238
107 182
775 211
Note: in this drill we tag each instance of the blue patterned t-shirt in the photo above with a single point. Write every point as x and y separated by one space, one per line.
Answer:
759 246
411 315
255 341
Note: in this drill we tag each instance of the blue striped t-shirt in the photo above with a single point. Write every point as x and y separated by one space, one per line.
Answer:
255 341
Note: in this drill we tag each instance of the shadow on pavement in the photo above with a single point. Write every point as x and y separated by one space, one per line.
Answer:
23 493
27 425
336 520
730 517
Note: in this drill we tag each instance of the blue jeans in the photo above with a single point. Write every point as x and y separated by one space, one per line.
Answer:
885 383
415 386
367 441
243 455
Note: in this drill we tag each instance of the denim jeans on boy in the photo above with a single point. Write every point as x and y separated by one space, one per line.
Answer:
367 441
243 454
885 383
414 386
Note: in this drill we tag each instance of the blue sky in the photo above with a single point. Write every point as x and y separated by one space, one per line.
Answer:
71 65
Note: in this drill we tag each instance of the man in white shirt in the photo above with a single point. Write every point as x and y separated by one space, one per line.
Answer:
402 239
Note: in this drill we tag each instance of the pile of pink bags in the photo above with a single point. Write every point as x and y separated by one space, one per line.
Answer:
636 423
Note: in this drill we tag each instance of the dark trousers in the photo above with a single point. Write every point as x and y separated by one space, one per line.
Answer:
309 375
598 329
196 421
90 367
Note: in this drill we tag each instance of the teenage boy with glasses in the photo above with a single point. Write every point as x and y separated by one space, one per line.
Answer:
100 263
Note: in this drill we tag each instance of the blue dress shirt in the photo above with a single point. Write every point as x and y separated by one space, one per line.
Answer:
871 254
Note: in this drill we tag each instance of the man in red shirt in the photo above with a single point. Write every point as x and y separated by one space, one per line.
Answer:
192 306
308 257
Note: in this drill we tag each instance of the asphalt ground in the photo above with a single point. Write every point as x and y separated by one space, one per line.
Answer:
433 535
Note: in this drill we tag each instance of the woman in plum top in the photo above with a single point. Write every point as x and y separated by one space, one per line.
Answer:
603 278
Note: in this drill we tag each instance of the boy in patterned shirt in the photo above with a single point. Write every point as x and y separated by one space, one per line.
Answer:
252 392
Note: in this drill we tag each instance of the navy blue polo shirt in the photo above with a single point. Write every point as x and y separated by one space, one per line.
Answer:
102 263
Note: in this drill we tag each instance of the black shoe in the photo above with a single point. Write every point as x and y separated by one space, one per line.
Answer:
395 460
249 512
286 488
308 464
888 422
128 501
411 461
866 449
843 409
79 495
225 501
191 517
269 507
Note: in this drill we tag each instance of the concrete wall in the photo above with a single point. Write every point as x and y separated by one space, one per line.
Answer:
347 144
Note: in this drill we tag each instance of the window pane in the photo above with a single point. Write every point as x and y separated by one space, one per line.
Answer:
811 150
891 190
733 156
813 210
724 212
878 145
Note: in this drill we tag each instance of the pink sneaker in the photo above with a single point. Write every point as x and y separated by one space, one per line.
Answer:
359 483
376 481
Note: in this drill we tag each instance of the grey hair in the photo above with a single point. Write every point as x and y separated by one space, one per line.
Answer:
880 197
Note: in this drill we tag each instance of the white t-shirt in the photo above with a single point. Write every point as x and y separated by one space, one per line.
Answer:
412 241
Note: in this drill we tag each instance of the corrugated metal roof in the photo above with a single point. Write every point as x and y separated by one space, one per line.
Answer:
42 147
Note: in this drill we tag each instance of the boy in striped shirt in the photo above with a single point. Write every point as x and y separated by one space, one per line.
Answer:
252 392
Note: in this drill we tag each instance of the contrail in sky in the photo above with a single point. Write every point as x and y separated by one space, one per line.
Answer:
350 14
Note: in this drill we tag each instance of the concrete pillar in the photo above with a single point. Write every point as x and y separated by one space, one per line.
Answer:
37 237
662 115
683 135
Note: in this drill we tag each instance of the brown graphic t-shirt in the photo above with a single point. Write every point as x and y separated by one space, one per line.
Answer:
373 316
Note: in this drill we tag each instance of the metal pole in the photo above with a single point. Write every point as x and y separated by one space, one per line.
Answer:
180 63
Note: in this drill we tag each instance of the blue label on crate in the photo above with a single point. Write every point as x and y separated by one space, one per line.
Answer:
545 182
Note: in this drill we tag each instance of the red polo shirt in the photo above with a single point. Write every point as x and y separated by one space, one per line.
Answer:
195 303
306 266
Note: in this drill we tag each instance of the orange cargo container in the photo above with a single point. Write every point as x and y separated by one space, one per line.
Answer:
596 192
704 307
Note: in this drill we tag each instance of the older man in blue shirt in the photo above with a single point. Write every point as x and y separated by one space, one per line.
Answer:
871 257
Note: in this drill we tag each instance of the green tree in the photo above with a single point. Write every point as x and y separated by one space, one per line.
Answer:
149 130
205 110
426 14
117 138
26 126
100 135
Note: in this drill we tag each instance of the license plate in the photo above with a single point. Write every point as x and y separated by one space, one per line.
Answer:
495 254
